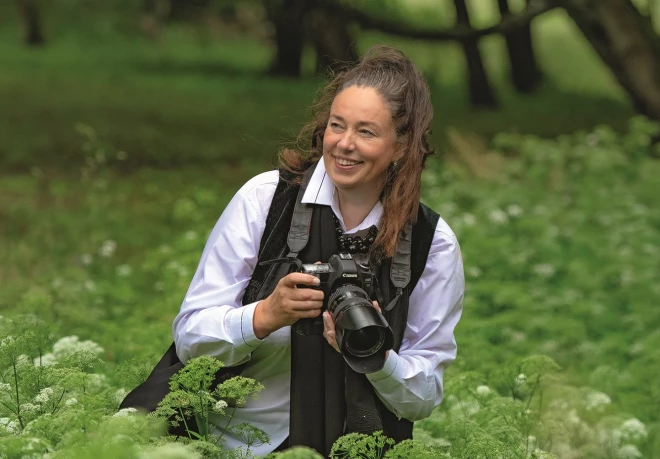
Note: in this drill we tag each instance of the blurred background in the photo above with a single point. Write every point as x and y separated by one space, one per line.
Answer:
127 125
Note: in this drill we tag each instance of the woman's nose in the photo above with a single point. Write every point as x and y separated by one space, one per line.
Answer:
346 142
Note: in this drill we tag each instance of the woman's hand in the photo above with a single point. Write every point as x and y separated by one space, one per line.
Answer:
287 304
329 328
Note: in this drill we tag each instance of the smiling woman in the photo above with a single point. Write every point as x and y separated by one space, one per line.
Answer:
370 127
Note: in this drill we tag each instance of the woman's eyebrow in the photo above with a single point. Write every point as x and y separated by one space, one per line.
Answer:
360 123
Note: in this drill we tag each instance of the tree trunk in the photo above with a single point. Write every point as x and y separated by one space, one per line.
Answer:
481 93
327 29
287 19
626 43
525 73
31 19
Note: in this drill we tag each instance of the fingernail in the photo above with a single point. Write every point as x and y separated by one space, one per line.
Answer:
317 281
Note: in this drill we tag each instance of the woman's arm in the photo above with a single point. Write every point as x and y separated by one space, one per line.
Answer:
410 383
212 319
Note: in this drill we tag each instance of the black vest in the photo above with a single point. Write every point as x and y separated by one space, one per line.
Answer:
350 403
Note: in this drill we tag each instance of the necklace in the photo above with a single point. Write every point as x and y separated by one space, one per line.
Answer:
354 244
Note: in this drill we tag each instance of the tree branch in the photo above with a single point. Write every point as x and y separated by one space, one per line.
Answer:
457 33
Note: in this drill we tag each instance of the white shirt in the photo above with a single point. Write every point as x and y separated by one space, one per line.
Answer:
213 321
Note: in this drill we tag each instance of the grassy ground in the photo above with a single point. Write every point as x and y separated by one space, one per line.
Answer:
186 100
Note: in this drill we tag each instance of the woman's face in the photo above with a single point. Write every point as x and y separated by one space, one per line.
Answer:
359 142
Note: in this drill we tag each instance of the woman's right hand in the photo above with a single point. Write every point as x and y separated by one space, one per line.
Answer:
287 304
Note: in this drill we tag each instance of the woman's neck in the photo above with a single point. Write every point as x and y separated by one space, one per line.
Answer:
354 208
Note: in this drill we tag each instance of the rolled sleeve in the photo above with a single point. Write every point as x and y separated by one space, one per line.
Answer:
241 327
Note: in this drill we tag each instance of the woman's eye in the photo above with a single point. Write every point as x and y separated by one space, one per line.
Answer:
367 132
335 125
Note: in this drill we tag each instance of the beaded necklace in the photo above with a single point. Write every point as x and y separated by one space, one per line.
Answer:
354 244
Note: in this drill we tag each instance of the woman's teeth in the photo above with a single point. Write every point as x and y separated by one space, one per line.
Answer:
345 162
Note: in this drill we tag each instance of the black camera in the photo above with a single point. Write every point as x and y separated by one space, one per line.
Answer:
363 334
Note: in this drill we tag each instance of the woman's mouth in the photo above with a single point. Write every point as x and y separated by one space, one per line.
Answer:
346 163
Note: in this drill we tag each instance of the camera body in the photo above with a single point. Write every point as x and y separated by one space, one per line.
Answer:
363 334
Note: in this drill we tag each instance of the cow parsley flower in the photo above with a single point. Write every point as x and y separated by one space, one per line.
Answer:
596 401
544 270
514 210
5 387
483 390
124 412
44 395
498 216
520 379
124 270
71 401
220 406
633 430
108 248
628 452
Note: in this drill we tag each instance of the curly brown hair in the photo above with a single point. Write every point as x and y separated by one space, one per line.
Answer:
405 91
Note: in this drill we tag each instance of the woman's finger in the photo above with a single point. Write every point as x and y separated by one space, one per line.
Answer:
329 331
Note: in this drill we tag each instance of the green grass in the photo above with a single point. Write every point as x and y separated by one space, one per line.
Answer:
192 100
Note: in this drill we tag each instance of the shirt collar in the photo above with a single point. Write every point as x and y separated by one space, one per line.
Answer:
321 190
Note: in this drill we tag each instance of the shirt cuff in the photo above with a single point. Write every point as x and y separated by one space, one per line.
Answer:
390 375
242 328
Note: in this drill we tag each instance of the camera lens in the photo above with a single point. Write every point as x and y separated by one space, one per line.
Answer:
364 342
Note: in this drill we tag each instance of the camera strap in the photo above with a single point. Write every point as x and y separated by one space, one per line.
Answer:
400 269
302 219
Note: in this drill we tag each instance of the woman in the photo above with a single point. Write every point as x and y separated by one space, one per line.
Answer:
366 148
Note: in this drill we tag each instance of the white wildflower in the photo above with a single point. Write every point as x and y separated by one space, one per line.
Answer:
86 259
108 248
122 155
45 360
628 452
57 283
190 235
469 219
29 407
124 270
9 426
514 210
8 341
124 412
44 395
596 401
633 430
483 390
498 216
96 382
70 345
544 270
71 401
220 406
473 271
120 395
520 379
5 387
89 285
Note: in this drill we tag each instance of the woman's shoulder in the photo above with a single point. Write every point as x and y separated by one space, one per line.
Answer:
264 180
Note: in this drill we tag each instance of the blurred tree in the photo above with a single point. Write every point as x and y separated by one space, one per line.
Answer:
287 19
31 19
481 92
326 25
626 42
154 12
525 72
323 22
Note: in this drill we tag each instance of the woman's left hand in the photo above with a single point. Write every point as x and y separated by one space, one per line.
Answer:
329 328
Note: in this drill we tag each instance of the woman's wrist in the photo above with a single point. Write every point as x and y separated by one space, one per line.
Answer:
259 323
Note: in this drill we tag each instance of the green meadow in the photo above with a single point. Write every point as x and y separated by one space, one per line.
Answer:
118 154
